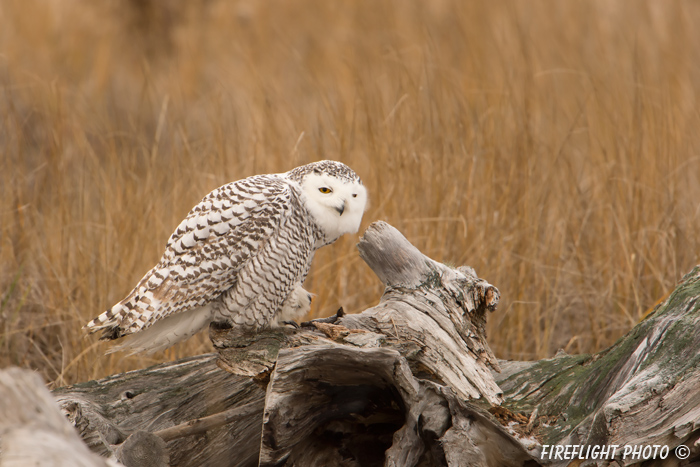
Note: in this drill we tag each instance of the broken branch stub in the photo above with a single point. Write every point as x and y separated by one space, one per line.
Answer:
441 311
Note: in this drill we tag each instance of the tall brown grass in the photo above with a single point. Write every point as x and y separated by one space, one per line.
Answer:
553 146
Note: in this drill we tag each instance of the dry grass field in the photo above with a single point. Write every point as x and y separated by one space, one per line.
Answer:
553 146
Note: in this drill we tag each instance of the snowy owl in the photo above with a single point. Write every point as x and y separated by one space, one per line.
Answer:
239 257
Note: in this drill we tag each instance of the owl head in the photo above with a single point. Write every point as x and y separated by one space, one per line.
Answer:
333 194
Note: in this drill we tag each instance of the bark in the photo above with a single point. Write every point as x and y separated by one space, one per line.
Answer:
411 381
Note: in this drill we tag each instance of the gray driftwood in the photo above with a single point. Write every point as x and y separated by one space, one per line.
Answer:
162 401
32 429
408 382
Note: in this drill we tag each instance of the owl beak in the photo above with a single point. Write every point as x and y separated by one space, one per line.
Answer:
341 209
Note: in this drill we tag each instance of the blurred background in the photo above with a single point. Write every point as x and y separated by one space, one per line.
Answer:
553 146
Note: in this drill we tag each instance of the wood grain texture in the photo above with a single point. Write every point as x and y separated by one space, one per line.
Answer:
108 411
440 310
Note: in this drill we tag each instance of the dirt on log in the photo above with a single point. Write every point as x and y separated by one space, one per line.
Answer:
409 382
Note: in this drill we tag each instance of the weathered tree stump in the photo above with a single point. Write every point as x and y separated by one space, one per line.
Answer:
407 382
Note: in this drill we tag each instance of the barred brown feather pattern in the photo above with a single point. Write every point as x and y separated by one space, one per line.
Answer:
240 256
210 252
271 275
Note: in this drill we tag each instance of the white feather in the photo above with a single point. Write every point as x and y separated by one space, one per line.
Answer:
324 207
166 331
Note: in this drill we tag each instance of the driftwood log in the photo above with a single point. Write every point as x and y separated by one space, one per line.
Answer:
32 430
410 381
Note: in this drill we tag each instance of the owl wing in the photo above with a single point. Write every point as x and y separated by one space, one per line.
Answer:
204 255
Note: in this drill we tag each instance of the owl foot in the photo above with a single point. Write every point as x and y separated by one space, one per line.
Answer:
292 324
330 320
296 306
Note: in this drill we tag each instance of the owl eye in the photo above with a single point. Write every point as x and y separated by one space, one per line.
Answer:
324 189
354 195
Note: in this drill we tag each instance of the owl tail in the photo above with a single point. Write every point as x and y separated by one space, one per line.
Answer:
166 331
111 321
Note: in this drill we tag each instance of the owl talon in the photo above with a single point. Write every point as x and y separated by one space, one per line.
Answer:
330 320
292 324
